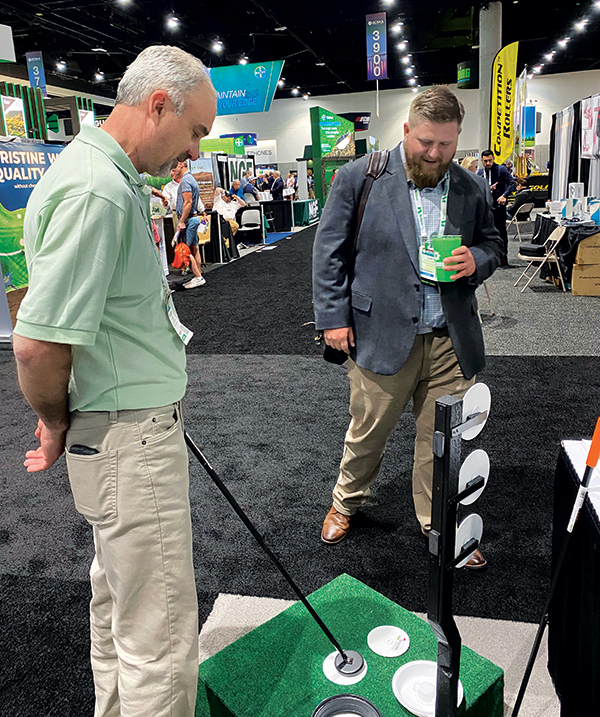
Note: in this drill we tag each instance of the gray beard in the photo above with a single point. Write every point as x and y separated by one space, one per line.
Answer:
425 179
165 169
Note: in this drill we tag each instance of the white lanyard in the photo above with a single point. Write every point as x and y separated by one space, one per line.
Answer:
443 209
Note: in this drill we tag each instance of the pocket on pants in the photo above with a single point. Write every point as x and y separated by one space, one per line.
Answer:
93 482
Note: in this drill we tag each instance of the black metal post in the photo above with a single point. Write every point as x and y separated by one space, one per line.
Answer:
442 538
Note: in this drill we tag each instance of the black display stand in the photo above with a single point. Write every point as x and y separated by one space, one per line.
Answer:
447 440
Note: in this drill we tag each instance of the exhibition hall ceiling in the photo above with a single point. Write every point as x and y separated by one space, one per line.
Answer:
322 42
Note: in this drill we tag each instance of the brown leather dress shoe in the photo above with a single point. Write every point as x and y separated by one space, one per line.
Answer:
476 561
336 527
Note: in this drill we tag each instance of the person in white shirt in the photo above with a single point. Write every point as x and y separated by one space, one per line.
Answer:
227 205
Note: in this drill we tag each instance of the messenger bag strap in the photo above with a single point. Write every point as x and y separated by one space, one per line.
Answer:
377 165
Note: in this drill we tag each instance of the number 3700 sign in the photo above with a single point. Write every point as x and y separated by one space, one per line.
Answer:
376 46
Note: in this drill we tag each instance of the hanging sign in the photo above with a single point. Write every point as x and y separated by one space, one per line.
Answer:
504 80
35 67
376 46
245 88
590 127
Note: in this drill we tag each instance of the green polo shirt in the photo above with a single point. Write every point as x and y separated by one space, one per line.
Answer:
95 280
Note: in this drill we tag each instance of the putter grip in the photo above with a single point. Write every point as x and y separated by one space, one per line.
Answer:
594 453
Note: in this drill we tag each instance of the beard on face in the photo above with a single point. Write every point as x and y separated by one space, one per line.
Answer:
423 174
165 169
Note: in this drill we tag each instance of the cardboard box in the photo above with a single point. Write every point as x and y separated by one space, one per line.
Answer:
588 250
586 280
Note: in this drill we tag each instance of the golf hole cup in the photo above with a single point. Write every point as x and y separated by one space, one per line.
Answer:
443 247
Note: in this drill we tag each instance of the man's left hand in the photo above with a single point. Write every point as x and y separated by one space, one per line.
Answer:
461 261
502 199
181 226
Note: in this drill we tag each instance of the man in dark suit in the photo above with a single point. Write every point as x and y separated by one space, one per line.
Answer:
502 183
406 337
277 187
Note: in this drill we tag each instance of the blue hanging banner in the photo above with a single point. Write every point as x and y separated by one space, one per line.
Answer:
35 67
245 88
376 46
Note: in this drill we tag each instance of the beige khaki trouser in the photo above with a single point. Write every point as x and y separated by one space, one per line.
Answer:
144 612
376 404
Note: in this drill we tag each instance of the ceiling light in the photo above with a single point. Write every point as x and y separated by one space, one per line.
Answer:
412 81
565 42
61 65
281 82
123 2
99 76
320 64
406 60
280 29
597 5
388 2
217 46
530 76
172 22
294 90
581 25
537 69
401 45
408 70
396 28
243 60
415 89
550 55
305 97
98 49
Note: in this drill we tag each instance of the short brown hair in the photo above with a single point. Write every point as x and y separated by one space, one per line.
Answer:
436 104
522 182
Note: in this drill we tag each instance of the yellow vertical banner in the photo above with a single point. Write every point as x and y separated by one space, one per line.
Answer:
504 81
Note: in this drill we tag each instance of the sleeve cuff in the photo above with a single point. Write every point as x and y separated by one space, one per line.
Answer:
55 334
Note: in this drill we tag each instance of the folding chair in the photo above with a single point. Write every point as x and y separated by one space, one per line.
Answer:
249 225
540 254
524 209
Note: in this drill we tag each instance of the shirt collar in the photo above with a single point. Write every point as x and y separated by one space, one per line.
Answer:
108 145
440 185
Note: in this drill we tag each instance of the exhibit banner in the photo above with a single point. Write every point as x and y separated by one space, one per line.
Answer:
249 138
21 167
590 127
237 166
361 120
13 116
221 144
265 151
376 46
7 44
504 77
202 171
35 68
332 135
245 88
528 126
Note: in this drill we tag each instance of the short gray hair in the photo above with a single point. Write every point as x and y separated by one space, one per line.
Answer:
162 67
437 104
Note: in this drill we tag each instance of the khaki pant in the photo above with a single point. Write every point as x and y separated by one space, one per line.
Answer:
144 613
234 226
376 404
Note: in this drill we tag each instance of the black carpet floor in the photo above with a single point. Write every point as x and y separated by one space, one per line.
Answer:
270 415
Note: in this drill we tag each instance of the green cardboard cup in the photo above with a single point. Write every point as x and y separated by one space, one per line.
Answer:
443 246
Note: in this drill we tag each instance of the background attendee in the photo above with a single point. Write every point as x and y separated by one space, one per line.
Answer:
250 191
188 197
310 181
290 186
524 195
501 184
227 205
470 163
407 337
236 188
101 359
277 186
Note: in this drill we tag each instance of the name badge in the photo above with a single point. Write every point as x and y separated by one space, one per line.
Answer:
427 264
182 331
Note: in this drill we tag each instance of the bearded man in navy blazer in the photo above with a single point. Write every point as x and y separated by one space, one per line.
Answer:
406 337
502 184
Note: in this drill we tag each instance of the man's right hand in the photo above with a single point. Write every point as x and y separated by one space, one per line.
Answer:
52 446
341 339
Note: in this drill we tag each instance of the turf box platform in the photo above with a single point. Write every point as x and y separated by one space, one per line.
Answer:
277 669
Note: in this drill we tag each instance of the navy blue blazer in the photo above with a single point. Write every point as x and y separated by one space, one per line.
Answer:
506 183
382 298
277 189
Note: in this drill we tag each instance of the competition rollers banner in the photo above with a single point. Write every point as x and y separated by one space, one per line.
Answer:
245 88
504 81
21 167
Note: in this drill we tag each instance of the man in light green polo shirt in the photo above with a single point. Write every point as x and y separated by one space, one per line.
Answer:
101 359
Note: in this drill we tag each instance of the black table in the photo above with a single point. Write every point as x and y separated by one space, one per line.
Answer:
574 618
567 249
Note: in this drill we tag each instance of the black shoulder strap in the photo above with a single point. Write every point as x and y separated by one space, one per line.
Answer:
377 165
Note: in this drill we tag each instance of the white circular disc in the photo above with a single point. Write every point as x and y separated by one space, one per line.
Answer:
471 527
388 641
331 673
476 464
477 399
415 687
